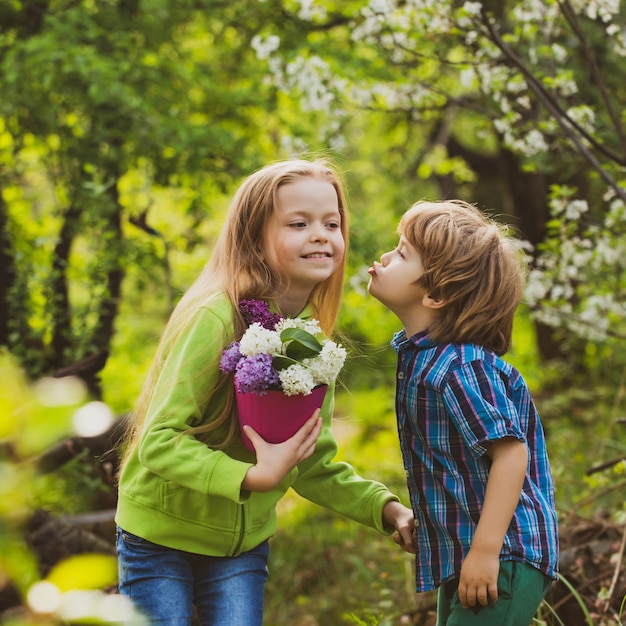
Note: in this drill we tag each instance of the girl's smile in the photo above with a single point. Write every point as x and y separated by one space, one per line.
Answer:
303 241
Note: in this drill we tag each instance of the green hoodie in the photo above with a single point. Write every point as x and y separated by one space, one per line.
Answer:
176 491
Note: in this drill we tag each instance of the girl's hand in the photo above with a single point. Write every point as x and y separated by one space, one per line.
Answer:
275 460
401 518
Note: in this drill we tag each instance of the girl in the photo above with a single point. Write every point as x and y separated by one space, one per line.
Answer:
196 508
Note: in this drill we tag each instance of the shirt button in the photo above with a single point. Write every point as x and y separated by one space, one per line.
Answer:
400 375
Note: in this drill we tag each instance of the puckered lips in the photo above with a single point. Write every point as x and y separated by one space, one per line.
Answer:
372 270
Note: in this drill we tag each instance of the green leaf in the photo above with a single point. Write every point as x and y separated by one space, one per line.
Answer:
300 344
280 362
302 336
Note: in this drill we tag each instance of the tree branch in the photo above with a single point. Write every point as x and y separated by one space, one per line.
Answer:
570 16
59 296
561 117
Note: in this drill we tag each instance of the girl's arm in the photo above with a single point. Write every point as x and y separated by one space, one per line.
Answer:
402 519
479 572
275 461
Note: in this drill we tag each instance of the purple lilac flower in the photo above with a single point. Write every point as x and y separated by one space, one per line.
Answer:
230 358
259 311
255 373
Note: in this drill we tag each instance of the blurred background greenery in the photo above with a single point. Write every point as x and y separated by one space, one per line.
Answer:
125 127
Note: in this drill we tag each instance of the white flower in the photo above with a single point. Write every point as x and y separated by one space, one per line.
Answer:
259 340
297 379
575 209
302 360
327 366
310 326
264 46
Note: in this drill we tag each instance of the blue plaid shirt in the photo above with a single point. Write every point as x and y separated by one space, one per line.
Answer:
452 401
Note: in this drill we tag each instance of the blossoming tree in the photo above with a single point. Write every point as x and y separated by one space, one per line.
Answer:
519 105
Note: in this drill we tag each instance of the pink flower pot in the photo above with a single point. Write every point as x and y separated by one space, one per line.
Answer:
275 416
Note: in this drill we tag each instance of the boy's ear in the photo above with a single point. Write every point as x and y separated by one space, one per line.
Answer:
432 303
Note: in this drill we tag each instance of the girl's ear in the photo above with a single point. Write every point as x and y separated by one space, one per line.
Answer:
432 303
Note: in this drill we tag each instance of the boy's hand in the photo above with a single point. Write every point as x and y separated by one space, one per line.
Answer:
401 518
479 579
275 460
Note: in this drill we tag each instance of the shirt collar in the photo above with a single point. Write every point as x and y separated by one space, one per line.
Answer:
305 314
419 341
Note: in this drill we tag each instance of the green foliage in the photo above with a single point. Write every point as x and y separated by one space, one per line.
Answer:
122 102
125 127
328 567
35 417
74 488
335 572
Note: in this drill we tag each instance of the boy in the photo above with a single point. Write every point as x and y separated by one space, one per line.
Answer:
472 442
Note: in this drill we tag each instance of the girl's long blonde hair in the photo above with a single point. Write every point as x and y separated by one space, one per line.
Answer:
237 268
471 264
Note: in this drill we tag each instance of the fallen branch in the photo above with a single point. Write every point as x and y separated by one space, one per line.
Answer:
618 567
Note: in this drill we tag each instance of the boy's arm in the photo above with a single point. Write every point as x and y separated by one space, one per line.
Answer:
479 572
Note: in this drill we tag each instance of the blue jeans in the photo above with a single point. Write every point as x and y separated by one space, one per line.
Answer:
165 583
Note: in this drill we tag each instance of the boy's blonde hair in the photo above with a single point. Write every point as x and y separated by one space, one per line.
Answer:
237 268
470 264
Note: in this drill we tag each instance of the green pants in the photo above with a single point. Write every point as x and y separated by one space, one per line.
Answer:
521 589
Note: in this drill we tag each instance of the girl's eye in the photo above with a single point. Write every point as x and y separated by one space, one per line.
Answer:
333 225
399 253
298 224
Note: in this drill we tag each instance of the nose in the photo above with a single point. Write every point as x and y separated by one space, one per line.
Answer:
318 233
384 259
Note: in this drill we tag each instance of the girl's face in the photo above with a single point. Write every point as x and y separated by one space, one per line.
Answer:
303 241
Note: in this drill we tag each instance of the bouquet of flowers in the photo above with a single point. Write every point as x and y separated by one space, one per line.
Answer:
277 353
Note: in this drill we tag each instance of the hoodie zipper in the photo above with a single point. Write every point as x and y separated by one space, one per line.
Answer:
242 528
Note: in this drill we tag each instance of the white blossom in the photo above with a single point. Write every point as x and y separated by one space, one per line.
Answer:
467 77
534 143
264 46
297 380
381 7
583 115
261 360
559 52
536 289
473 8
603 9
310 11
257 340
327 366
564 84
575 209
311 326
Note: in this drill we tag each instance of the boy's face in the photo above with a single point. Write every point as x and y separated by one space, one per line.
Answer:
393 282
393 279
